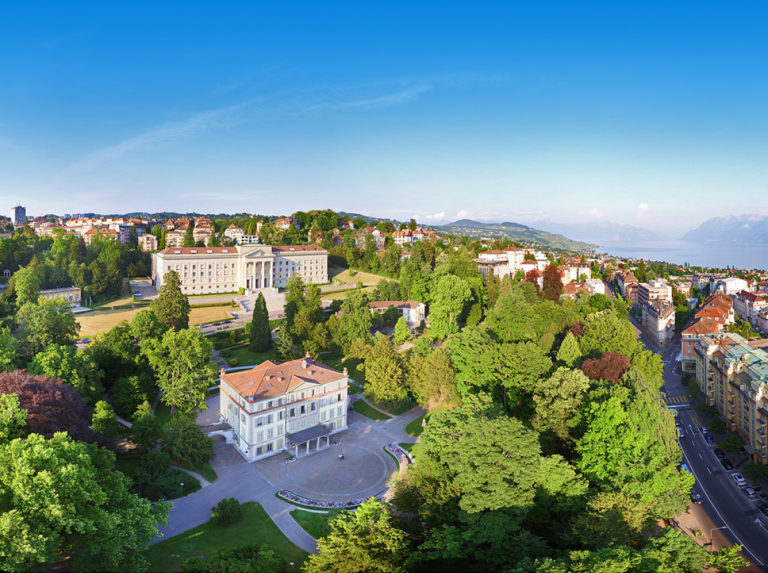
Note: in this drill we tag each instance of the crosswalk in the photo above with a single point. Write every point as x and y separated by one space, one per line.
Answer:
674 400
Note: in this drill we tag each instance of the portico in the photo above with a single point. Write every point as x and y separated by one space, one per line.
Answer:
302 441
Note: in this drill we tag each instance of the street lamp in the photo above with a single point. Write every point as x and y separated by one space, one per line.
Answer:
714 529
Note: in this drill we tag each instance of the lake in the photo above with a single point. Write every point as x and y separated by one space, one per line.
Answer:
721 255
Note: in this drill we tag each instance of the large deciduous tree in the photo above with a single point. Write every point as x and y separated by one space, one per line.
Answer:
553 285
71 366
64 499
385 374
51 405
49 322
365 540
183 440
27 285
261 337
449 296
171 305
183 367
558 399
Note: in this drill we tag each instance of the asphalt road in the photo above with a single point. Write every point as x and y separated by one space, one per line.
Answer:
733 516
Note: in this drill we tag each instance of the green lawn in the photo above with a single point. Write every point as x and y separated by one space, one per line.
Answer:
255 527
246 358
205 469
407 447
316 524
362 408
415 428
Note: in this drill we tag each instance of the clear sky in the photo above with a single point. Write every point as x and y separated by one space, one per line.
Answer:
647 113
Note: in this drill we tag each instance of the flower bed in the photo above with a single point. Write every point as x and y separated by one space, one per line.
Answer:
403 458
296 499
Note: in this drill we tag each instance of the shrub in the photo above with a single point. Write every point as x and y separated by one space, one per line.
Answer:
250 559
233 361
186 442
226 512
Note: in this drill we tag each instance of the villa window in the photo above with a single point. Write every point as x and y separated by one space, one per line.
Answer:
293 412
303 409
260 421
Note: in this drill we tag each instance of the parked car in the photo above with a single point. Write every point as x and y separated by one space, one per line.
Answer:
696 496
750 493
709 438
703 430
763 507
719 453
739 479
727 465
681 432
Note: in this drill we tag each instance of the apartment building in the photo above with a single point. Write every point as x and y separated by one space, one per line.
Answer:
505 262
747 305
204 270
654 290
713 316
291 406
658 320
148 242
733 376
627 284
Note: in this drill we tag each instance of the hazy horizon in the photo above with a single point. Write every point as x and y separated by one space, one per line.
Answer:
647 114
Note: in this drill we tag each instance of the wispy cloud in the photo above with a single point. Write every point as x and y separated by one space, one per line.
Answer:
164 133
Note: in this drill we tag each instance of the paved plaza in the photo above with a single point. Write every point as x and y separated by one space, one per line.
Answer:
364 472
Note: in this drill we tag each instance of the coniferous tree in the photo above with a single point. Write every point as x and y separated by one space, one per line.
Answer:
569 351
261 339
553 286
171 305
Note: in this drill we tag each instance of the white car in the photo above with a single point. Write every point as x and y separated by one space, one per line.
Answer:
739 479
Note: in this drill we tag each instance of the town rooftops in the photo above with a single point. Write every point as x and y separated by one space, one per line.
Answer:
270 379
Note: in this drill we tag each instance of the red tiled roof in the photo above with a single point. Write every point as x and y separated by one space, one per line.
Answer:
286 248
377 304
270 379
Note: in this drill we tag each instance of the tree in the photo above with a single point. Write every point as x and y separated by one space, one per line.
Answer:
184 370
51 406
284 342
9 349
183 440
171 305
227 512
610 366
27 284
261 336
449 296
569 351
385 374
12 418
402 332
365 540
727 560
146 428
49 322
86 515
355 321
146 326
553 285
71 366
434 379
247 559
558 399
104 420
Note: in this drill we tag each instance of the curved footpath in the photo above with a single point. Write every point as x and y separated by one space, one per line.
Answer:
245 482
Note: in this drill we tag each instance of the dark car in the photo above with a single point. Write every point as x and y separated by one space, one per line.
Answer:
709 438
695 495
763 507
719 453
726 464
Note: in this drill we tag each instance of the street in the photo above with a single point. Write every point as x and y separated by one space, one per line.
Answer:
732 514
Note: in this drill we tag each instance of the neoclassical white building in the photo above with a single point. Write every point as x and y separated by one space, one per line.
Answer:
204 270
294 406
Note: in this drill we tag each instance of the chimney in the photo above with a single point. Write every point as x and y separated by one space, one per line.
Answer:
304 363
223 371
306 355
345 371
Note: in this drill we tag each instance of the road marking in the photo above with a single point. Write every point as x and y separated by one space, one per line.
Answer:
700 456
760 523
704 491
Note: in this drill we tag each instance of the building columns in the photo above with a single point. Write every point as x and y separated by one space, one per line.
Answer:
261 284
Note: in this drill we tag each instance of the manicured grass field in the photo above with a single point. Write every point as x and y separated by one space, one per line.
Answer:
362 408
316 524
406 446
245 357
415 428
351 277
92 323
254 527
343 295
205 469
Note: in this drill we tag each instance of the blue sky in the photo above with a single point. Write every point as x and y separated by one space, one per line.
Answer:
647 113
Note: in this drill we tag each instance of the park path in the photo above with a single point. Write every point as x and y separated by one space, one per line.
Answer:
246 483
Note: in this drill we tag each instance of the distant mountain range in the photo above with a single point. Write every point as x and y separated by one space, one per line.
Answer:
602 232
733 229
514 232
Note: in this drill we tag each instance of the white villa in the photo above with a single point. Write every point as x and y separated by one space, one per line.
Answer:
204 270
294 407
